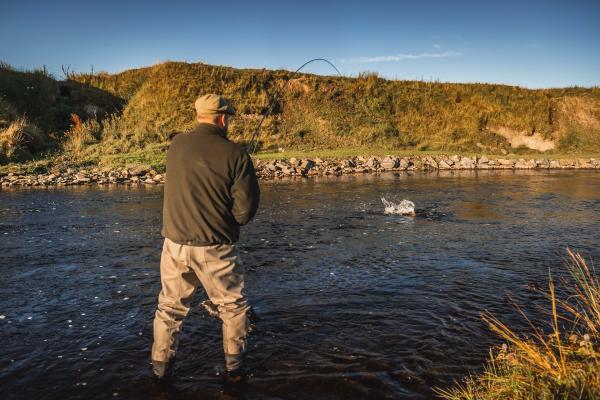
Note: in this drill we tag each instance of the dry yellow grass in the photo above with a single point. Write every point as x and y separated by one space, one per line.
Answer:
542 366
81 134
19 140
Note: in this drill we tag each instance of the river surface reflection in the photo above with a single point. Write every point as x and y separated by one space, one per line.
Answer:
352 303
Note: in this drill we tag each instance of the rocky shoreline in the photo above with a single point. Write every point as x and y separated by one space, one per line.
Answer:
140 174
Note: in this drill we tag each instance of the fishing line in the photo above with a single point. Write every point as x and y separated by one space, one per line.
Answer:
252 145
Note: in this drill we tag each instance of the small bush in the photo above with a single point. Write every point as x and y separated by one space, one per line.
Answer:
572 139
81 134
111 129
20 140
7 113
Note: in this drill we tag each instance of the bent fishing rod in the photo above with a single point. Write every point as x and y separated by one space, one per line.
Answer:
252 144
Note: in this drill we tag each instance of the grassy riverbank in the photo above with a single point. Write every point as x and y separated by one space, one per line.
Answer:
381 152
103 118
560 363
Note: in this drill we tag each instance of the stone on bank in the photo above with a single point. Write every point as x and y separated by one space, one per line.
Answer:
143 174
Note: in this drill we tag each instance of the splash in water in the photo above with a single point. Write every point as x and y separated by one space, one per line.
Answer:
405 207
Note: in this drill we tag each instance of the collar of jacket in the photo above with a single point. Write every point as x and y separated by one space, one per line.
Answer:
206 128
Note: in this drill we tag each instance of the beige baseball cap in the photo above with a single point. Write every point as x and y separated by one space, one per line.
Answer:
210 104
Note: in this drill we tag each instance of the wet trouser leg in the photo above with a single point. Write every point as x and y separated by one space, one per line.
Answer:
219 269
179 283
222 275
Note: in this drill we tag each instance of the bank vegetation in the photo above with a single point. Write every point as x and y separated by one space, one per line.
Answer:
96 118
560 361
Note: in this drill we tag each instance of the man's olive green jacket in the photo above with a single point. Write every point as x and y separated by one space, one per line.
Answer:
210 189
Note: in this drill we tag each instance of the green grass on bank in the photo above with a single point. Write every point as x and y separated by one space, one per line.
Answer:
341 153
94 156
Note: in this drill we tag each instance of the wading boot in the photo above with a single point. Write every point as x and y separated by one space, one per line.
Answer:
235 369
162 370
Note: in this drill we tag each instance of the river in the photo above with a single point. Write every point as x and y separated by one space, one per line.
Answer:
352 303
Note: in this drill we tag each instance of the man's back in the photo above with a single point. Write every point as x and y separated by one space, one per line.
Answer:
211 188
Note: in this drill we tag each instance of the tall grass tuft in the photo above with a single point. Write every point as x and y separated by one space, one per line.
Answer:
19 140
559 365
80 134
584 300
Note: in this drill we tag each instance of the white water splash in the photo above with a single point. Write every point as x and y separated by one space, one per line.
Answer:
405 207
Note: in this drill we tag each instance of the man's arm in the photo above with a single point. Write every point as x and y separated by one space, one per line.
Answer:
245 191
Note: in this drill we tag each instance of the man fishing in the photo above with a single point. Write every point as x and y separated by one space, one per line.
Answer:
210 191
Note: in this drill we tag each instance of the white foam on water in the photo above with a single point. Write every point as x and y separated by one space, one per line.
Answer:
405 207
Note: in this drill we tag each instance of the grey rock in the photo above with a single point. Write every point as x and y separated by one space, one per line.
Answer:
305 165
525 164
430 163
373 163
567 163
389 163
137 169
467 163
506 162
554 164
542 163
349 163
445 164
405 163
272 166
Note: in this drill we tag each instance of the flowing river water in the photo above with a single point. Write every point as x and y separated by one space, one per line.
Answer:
352 303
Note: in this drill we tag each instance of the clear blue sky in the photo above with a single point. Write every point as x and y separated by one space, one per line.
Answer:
530 43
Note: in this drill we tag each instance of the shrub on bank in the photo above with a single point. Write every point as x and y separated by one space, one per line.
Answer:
559 365
20 140
81 133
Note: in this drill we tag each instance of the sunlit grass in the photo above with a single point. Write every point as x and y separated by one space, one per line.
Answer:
348 152
343 153
316 116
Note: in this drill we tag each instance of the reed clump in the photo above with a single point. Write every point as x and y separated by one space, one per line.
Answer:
555 364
